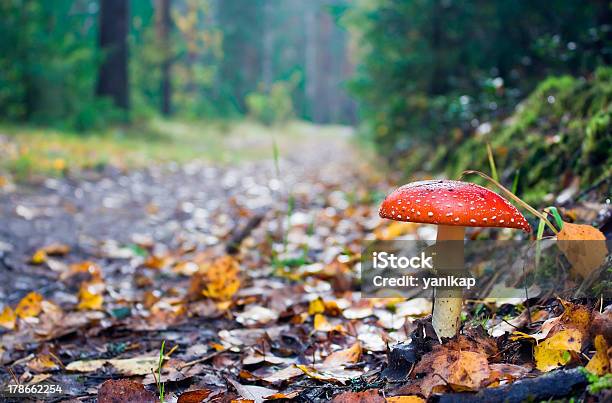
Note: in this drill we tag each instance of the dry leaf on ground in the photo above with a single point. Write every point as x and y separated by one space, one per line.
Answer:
29 306
124 390
555 350
8 318
601 362
126 366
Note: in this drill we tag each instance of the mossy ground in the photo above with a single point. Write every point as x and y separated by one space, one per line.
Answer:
561 134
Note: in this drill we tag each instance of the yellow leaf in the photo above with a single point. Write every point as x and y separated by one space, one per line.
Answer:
42 254
90 296
349 355
43 362
395 229
219 280
600 363
405 399
39 257
8 319
29 306
316 306
584 247
554 351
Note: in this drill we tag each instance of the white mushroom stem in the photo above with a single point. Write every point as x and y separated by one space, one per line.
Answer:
446 317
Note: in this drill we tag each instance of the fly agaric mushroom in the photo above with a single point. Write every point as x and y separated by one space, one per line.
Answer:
452 206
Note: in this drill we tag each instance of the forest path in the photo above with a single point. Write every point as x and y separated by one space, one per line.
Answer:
163 204
138 237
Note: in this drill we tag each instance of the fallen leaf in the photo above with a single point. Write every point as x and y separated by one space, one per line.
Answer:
43 362
506 372
29 306
284 374
255 393
584 247
449 365
194 396
219 280
286 396
8 319
342 357
126 366
322 373
256 315
405 399
39 257
554 351
255 357
601 362
367 396
316 306
158 262
90 296
321 324
124 390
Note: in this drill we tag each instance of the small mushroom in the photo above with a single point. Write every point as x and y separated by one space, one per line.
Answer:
452 206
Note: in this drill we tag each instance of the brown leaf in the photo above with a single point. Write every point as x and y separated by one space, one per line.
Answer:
342 357
284 374
125 366
124 391
367 396
194 396
255 393
461 370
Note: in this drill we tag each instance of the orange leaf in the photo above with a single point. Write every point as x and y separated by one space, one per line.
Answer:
584 247
29 306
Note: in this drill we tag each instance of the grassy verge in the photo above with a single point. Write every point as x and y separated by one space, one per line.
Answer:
27 152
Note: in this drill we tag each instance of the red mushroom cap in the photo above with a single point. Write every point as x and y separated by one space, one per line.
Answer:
448 202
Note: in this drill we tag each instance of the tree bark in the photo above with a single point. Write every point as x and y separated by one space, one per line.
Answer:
164 25
113 73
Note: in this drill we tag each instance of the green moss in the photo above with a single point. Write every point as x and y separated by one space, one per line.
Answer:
560 132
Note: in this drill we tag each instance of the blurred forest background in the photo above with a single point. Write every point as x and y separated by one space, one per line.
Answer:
429 82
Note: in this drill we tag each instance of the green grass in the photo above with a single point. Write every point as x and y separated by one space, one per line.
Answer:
28 151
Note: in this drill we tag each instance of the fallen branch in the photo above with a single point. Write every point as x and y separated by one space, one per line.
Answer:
558 384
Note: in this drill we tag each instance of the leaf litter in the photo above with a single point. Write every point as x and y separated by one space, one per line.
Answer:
277 317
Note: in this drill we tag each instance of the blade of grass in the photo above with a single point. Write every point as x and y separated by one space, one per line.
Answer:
539 235
492 162
513 197
553 210
161 386
515 182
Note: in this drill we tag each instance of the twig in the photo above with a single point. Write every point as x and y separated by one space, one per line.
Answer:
203 359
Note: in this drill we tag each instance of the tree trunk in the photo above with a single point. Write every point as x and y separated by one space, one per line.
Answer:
164 25
113 73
